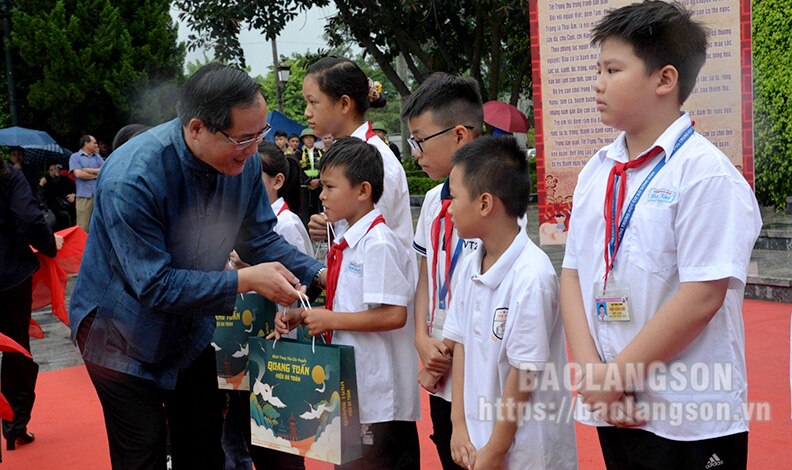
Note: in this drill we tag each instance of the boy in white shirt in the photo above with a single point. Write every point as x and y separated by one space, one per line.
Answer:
444 114
369 291
680 221
504 324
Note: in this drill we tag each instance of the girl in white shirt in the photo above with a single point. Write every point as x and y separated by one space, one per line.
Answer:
281 176
337 95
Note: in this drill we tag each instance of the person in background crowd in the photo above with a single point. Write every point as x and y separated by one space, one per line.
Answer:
281 140
379 128
85 165
59 193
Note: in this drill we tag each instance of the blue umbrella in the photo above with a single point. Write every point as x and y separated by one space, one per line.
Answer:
20 136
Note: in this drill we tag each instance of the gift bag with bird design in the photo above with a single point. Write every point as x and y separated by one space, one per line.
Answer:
303 399
253 315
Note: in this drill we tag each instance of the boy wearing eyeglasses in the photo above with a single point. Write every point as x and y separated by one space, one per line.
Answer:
444 114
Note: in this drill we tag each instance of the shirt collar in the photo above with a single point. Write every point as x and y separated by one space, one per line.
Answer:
276 206
617 151
361 131
494 275
356 232
184 153
445 192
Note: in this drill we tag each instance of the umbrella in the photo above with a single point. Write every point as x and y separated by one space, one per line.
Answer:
39 157
20 136
505 117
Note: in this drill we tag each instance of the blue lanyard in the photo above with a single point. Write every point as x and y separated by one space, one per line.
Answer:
443 291
628 213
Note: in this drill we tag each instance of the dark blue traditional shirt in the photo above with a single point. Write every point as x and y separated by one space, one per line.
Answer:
163 225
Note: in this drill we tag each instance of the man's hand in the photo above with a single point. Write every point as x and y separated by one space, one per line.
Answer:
314 183
58 242
488 458
435 355
462 450
71 198
42 181
317 227
272 280
318 320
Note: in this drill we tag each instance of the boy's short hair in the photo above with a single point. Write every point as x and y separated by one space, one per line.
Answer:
293 136
280 133
360 162
496 165
661 34
452 99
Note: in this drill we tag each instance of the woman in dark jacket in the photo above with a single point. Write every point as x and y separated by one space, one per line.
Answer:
21 225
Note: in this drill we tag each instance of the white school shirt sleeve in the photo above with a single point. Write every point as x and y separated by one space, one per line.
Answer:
387 281
716 226
423 228
529 340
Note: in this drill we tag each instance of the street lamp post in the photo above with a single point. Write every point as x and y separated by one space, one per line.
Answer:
282 71
5 12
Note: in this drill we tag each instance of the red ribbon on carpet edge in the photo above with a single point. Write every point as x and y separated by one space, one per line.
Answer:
9 345
49 282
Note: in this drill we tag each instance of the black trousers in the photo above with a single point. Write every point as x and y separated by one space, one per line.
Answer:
18 374
388 446
441 431
142 418
636 449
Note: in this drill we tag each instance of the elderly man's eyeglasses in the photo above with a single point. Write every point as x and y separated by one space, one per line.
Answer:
246 142
415 144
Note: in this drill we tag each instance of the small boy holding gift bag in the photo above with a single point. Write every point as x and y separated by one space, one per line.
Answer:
370 287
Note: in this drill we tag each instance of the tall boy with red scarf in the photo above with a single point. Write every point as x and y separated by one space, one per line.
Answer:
444 114
370 286
660 235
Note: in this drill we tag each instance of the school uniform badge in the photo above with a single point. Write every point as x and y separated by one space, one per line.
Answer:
499 322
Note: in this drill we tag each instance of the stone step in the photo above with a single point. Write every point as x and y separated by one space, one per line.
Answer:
770 276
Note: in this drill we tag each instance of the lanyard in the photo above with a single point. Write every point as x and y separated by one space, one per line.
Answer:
616 237
447 280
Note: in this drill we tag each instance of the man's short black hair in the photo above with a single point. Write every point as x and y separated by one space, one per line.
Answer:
360 162
496 165
661 34
293 136
85 139
452 99
280 133
212 92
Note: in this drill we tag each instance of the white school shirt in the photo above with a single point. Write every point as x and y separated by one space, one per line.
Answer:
395 201
508 317
697 221
291 228
375 270
423 246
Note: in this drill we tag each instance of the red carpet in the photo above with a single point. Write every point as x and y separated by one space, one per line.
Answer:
70 431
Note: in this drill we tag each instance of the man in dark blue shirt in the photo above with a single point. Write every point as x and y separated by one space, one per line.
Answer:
170 206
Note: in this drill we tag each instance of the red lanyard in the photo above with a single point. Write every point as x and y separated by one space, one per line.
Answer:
335 257
283 208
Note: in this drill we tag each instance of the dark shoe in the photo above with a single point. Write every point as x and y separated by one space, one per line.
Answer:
26 438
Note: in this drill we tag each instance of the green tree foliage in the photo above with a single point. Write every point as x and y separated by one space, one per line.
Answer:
487 39
772 79
95 65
